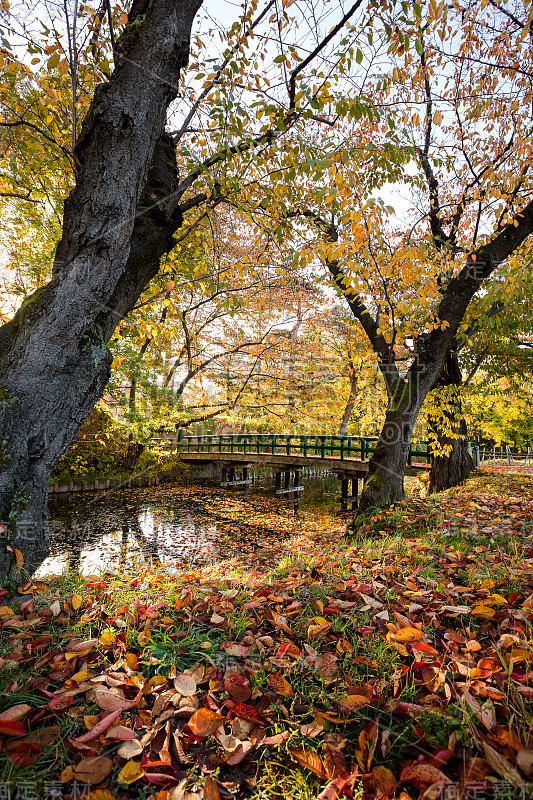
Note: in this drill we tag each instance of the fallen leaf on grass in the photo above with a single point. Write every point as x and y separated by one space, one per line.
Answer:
280 685
366 745
306 758
12 727
22 754
130 772
407 635
99 728
93 770
17 712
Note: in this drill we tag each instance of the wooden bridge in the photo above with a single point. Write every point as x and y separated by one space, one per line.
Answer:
287 455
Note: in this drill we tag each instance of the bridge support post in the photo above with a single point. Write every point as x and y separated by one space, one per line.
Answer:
284 477
350 500
344 493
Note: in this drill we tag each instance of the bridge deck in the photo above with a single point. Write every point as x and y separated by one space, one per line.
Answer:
346 466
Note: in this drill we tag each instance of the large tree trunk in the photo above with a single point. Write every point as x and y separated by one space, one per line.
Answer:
386 469
54 363
452 463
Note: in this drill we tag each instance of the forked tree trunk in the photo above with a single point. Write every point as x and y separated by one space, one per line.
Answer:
54 363
385 483
386 469
453 464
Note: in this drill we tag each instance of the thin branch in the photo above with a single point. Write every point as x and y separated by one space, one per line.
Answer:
19 196
177 136
296 71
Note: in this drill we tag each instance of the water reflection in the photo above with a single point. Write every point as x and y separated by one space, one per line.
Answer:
161 529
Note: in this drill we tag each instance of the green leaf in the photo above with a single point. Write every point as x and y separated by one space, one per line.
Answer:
53 61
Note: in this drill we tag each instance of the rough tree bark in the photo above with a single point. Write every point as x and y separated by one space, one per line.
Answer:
455 464
54 362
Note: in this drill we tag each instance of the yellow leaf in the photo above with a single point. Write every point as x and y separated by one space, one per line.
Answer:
496 599
483 611
108 639
76 601
519 654
19 558
153 683
406 635
82 675
130 772
131 660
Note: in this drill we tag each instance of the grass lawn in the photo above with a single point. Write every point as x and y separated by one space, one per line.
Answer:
397 665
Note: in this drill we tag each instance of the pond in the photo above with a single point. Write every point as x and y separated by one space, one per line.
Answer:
175 526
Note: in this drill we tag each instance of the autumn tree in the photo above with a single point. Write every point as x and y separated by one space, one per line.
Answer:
136 182
459 84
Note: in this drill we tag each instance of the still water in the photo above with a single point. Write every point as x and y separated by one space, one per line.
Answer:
171 527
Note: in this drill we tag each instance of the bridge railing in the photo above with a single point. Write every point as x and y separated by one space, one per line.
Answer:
324 446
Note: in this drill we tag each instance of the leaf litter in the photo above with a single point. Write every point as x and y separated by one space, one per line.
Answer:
389 667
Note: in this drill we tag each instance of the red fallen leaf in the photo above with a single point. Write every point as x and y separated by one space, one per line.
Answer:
422 647
99 728
40 641
12 727
21 754
121 733
59 703
248 713
238 688
289 650
331 610
161 779
253 604
204 722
